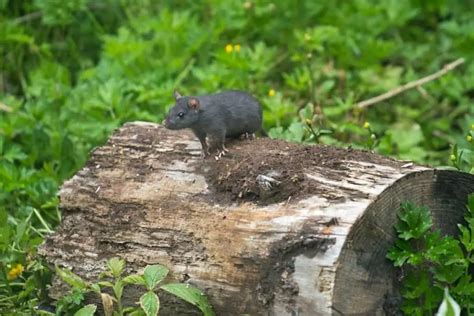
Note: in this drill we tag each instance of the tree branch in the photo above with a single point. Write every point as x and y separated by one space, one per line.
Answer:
28 17
410 85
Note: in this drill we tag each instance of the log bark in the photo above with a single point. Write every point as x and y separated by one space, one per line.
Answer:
273 228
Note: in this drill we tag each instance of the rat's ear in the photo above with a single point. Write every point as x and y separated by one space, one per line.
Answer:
193 103
176 95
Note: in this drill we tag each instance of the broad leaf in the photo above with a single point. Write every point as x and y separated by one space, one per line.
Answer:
449 307
133 311
467 239
88 310
191 295
70 278
414 221
150 303
95 288
134 279
153 275
105 283
118 289
116 266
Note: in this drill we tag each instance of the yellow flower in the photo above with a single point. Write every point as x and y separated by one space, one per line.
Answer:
469 138
237 48
271 93
247 5
366 125
229 48
452 157
15 271
472 126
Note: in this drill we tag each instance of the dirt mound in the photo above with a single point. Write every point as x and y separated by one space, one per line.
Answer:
268 171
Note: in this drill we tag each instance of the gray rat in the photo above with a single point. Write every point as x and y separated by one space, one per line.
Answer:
217 116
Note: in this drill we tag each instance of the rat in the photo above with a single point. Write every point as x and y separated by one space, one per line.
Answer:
216 116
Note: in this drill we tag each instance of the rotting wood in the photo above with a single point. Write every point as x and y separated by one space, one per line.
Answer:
311 243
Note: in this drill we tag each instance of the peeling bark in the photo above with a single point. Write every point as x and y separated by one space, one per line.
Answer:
312 240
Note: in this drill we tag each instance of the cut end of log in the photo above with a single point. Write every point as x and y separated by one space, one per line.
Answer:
272 228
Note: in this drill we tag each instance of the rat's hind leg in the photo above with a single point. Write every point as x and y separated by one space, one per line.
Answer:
221 150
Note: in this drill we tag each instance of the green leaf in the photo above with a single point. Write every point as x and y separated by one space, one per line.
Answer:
118 289
135 312
14 153
467 239
449 307
88 310
153 275
116 266
150 303
449 273
191 295
5 230
20 38
70 278
398 256
414 221
3 217
134 279
76 296
105 283
95 288
416 284
20 231
296 131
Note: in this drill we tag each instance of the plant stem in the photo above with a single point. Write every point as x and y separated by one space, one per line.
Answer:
5 276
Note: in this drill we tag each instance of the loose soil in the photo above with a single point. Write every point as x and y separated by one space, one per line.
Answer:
234 176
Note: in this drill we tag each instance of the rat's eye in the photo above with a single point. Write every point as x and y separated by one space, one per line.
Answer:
180 114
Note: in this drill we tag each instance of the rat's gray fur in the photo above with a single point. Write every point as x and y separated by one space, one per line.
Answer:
217 116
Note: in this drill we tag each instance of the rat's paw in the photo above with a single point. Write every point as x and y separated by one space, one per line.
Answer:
248 136
221 152
205 153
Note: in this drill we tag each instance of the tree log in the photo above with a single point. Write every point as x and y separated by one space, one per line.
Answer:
273 228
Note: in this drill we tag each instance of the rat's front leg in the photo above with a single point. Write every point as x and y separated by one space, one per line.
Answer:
202 139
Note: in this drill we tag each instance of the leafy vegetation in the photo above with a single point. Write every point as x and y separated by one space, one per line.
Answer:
432 263
112 304
449 307
73 70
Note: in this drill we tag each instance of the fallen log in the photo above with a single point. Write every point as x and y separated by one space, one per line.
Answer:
274 228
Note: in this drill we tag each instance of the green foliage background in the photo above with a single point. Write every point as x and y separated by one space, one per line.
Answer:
71 71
